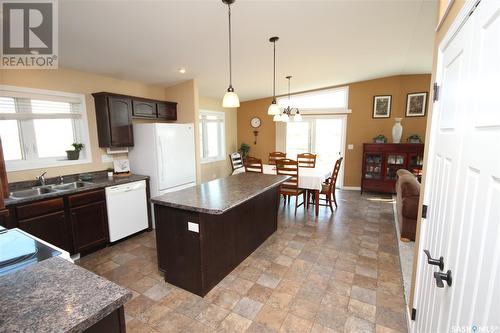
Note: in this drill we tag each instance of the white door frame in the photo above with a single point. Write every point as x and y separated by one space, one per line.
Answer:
454 28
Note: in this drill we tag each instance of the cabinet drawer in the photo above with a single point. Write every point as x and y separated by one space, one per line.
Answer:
85 198
39 208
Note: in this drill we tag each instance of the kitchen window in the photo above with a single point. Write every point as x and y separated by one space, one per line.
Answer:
38 126
212 136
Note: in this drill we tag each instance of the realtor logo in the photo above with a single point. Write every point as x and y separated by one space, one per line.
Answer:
29 34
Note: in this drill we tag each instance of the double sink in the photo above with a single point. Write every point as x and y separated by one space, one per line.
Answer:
45 189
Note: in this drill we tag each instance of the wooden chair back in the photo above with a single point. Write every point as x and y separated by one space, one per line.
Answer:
288 167
306 160
236 161
253 164
332 180
276 156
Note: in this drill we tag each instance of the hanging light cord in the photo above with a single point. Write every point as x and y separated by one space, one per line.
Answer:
230 63
274 72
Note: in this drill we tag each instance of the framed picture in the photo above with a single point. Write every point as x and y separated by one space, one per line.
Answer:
382 106
416 103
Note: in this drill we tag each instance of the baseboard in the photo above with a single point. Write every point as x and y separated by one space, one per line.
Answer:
352 188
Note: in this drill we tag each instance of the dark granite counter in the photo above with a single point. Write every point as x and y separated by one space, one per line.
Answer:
56 296
99 181
220 195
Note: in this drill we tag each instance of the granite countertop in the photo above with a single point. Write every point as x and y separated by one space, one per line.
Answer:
96 183
220 195
56 296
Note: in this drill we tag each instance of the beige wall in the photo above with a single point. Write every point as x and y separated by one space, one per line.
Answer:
220 169
361 127
66 80
82 83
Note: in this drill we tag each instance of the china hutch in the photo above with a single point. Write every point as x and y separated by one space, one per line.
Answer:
382 160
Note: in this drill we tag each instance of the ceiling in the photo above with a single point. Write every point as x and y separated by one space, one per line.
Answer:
322 43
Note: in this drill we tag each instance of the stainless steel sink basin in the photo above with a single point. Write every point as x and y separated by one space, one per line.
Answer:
32 192
70 186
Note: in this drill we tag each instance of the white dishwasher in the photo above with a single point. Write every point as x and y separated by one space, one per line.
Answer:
127 209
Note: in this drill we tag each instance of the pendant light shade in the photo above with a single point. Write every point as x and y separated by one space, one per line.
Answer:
274 108
277 117
230 99
297 117
285 118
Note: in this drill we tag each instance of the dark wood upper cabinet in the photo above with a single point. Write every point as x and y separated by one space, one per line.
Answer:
143 109
114 115
167 110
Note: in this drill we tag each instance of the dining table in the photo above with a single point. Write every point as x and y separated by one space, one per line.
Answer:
310 179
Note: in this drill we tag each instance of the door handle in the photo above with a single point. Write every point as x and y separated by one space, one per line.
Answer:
437 262
440 277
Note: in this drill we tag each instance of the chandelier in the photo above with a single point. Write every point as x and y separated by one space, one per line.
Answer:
288 111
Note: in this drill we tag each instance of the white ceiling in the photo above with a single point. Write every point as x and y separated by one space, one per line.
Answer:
322 43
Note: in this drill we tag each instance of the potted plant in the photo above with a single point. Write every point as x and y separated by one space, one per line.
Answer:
380 139
244 149
110 172
75 153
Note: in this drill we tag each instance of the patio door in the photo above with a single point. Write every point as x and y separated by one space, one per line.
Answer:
462 188
321 135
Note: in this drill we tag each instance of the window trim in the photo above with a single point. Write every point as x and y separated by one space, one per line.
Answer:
322 111
222 156
81 131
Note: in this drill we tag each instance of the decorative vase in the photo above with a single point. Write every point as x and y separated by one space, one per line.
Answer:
397 131
73 154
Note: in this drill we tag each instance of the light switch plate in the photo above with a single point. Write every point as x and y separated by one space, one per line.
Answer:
350 146
194 227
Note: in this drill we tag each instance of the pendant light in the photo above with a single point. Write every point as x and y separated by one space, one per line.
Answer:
289 111
274 108
230 99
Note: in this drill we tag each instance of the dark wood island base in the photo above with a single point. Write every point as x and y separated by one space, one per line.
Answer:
197 247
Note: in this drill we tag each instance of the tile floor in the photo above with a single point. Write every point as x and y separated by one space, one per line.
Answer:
337 273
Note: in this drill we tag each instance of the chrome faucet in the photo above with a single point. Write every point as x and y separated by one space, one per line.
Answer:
41 179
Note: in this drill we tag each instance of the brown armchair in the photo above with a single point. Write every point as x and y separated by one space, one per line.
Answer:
407 198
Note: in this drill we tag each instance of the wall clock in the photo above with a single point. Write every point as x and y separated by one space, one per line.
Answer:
255 122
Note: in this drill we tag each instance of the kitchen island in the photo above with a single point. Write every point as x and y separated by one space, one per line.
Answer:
204 232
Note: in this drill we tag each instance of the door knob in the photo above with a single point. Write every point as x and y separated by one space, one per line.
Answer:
437 262
440 277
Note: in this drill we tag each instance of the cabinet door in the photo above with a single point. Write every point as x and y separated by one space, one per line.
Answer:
90 226
167 111
120 122
50 228
143 109
394 162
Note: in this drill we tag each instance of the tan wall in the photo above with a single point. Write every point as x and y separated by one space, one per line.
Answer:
220 169
82 83
447 16
361 127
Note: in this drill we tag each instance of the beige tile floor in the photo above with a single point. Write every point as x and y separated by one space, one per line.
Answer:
336 273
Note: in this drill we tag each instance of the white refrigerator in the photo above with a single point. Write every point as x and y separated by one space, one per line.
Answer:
166 153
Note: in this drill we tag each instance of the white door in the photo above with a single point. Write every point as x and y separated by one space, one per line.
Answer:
462 188
176 155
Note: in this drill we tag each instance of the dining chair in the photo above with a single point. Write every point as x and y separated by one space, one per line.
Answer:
290 187
236 161
328 187
306 160
276 156
253 164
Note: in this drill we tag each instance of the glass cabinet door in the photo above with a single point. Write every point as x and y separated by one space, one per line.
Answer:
415 162
373 166
393 163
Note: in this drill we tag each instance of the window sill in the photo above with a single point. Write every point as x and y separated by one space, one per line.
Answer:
50 163
207 161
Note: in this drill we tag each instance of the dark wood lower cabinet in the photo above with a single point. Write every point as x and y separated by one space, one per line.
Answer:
198 261
49 227
89 226
112 323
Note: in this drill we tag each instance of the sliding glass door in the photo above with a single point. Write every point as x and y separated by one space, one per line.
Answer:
320 135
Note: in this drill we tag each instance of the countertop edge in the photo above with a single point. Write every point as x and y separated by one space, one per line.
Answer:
216 211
